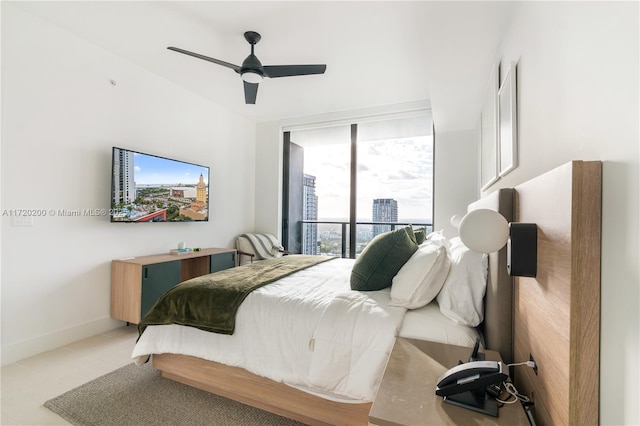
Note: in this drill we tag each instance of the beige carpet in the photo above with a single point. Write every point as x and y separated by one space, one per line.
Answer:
138 395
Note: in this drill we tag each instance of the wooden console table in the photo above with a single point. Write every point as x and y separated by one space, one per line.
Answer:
138 282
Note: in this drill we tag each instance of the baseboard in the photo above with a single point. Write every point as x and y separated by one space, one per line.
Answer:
26 348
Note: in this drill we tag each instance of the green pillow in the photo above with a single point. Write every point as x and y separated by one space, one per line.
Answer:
381 260
409 230
420 235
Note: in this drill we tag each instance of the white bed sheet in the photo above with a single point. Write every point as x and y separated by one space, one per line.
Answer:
276 328
346 365
428 323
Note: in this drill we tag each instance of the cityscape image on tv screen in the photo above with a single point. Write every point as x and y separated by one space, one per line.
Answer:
148 188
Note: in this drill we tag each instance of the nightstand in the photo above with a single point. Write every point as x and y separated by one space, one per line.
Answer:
406 395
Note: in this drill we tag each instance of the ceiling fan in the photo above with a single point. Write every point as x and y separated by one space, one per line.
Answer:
252 71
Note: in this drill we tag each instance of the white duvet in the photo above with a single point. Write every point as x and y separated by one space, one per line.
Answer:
308 330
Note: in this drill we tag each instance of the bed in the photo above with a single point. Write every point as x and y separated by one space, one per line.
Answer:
309 348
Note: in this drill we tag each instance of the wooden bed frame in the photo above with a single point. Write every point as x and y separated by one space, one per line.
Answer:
240 385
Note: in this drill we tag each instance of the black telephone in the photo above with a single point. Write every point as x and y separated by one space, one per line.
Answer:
465 385
470 376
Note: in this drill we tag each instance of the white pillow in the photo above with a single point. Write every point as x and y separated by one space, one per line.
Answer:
461 297
421 277
438 238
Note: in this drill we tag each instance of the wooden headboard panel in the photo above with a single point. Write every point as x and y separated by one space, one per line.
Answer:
557 314
497 326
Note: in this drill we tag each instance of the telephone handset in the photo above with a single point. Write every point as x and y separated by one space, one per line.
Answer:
471 375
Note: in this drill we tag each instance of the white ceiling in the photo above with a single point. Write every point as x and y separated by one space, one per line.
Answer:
377 53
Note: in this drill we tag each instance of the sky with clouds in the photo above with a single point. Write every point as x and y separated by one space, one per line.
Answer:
400 168
152 170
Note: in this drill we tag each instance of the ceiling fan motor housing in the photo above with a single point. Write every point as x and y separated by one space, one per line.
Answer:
251 65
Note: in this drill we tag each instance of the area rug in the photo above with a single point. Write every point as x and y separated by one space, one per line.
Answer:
139 395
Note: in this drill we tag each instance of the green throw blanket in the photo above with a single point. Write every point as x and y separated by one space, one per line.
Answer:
210 302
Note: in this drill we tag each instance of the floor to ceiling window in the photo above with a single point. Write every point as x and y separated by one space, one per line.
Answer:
349 182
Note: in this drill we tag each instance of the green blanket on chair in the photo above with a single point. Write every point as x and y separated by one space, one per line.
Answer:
210 302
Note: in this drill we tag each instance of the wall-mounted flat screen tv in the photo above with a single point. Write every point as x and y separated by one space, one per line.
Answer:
149 188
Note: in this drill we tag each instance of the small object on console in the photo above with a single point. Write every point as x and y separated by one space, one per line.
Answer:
465 385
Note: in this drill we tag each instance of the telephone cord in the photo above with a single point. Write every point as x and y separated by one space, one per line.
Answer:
511 390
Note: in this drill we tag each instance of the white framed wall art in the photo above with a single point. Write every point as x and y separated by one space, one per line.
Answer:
507 122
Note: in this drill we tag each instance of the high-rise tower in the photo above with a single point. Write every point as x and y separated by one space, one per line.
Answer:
384 210
310 212
201 190
124 188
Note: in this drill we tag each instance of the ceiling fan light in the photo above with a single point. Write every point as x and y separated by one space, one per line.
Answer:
251 77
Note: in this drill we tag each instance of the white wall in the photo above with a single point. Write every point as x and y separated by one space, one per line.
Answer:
268 181
60 118
578 100
455 176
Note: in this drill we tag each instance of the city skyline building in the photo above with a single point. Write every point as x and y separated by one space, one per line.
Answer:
124 188
310 243
198 210
384 210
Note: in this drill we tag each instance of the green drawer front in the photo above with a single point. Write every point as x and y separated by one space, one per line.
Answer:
157 279
222 261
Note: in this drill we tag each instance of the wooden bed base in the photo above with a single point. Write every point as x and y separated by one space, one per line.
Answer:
240 385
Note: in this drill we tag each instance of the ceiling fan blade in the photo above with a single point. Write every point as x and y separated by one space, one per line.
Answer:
236 68
292 70
250 92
